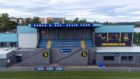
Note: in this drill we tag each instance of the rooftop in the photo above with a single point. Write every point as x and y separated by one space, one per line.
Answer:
115 28
8 37
136 29
134 49
28 49
4 51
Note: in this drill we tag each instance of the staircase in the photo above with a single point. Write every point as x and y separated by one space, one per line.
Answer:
83 46
77 51
26 61
49 44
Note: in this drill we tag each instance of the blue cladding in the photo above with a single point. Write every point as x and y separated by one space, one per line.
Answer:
115 28
26 29
64 25
8 37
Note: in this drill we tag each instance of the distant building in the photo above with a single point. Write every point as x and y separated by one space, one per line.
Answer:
50 20
24 21
56 20
14 19
43 20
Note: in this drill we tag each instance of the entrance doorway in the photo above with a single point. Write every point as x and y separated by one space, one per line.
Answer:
19 58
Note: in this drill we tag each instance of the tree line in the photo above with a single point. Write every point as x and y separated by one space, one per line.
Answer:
7 25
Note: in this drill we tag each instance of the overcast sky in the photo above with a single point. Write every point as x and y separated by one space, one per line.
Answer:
92 10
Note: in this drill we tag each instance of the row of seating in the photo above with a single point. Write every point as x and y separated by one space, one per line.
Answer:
65 43
42 43
89 43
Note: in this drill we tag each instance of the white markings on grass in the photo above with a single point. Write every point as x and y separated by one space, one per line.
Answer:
68 78
71 78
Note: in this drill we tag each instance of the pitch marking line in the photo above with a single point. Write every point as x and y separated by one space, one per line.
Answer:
68 78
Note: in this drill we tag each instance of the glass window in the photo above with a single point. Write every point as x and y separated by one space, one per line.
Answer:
127 58
13 44
108 58
3 44
124 58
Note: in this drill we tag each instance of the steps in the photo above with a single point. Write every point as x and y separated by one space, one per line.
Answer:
83 46
73 53
49 44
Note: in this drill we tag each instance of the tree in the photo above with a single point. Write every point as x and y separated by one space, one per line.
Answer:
76 20
137 38
4 19
27 21
50 21
68 21
5 23
96 22
5 16
35 20
82 21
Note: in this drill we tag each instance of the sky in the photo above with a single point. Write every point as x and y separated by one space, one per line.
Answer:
92 10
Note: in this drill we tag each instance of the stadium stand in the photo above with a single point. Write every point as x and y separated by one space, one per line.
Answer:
83 44
49 44
65 43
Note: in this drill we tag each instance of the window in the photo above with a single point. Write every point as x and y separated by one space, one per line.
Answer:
127 58
3 44
13 44
108 58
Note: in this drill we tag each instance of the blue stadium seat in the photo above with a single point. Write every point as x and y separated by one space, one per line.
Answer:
65 43
89 43
42 43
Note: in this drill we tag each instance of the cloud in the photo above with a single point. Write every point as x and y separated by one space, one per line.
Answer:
92 10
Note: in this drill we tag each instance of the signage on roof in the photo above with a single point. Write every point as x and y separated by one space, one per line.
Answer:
61 25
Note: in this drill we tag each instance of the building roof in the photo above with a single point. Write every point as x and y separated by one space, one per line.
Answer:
28 49
115 28
8 37
135 49
26 29
136 29
5 51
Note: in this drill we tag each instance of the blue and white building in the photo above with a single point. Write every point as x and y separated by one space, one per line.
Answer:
69 44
